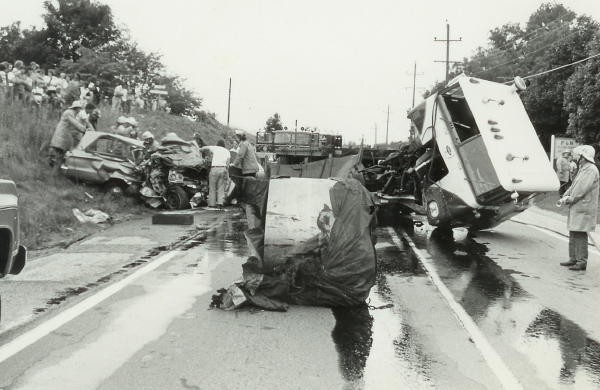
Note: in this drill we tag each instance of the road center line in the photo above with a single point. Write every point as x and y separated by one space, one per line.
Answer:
494 361
557 235
28 338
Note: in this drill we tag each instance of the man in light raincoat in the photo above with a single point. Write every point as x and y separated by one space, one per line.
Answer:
582 199
67 134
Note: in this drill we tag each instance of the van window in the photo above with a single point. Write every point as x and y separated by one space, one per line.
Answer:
460 114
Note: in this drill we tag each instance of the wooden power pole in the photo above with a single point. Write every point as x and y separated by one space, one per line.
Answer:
387 126
447 40
229 102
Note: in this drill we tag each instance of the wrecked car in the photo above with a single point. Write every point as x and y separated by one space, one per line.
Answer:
106 159
176 175
13 255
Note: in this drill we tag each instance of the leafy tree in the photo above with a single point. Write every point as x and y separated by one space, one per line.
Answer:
10 38
72 24
582 98
274 123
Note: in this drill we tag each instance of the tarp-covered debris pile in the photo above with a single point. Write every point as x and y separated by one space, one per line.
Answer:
317 247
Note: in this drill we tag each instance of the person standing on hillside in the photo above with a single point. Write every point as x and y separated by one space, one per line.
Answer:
117 99
562 171
72 93
3 82
246 160
67 134
217 178
582 199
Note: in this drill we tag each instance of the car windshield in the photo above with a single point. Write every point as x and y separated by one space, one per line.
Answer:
110 147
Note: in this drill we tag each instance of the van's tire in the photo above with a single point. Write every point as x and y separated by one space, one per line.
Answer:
177 199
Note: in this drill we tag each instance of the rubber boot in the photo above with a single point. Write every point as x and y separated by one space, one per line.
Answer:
568 263
579 266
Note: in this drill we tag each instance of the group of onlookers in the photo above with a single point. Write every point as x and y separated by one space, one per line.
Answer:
31 84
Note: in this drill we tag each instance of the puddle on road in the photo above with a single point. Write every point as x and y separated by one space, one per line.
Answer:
352 336
231 242
374 343
380 346
561 351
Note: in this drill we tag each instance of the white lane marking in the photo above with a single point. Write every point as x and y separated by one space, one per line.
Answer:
557 235
496 364
28 338
137 322
23 341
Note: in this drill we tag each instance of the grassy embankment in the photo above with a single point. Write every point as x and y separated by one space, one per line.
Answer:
47 200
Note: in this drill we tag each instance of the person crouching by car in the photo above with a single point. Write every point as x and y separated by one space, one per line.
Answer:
67 134
217 178
582 199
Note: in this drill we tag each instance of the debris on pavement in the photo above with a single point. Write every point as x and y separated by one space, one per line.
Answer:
91 215
173 218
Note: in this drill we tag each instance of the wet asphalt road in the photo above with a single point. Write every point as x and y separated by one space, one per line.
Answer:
157 332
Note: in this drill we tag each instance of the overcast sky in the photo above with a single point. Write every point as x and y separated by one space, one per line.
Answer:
333 64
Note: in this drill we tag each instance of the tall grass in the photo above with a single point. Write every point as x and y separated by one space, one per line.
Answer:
46 200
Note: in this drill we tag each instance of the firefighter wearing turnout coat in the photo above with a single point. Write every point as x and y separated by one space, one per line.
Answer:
582 199
67 134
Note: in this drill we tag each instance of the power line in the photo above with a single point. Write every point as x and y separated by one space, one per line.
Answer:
528 54
545 27
503 49
561 67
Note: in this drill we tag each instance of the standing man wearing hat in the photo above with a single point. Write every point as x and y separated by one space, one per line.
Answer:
582 199
67 134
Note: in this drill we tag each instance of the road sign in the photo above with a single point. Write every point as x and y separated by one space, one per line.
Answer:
558 145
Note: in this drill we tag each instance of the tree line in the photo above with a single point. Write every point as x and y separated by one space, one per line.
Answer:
80 36
561 102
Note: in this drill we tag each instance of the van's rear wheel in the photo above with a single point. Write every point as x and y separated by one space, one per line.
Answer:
177 199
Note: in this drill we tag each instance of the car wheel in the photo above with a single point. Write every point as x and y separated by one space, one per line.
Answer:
177 199
115 188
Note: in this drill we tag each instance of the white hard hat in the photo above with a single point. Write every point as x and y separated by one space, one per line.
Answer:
147 135
122 120
585 151
131 120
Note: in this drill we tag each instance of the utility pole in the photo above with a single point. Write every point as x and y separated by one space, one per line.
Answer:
448 40
387 126
414 75
229 102
375 128
414 88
